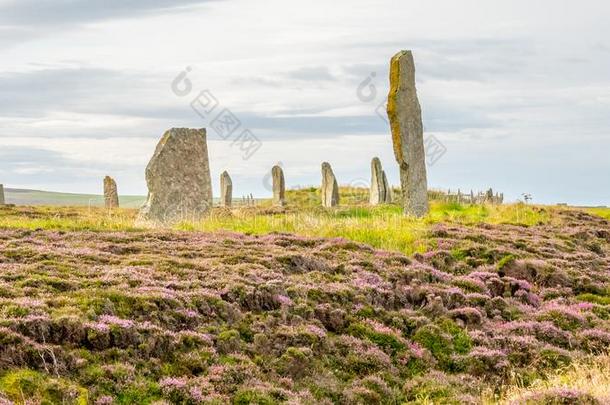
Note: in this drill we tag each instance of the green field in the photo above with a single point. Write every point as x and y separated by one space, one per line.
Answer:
49 198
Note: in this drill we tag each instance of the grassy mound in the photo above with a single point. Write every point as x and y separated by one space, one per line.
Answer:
188 317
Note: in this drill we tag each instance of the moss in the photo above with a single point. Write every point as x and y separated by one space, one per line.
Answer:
594 298
459 254
253 397
430 391
296 362
17 384
506 260
444 339
385 341
140 392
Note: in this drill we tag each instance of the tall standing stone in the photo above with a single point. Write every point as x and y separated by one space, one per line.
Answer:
2 200
111 196
226 190
330 188
388 189
279 186
178 179
404 113
378 186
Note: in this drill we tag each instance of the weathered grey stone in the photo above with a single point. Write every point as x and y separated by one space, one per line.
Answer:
388 189
279 186
379 191
226 190
404 113
111 196
2 200
178 179
330 188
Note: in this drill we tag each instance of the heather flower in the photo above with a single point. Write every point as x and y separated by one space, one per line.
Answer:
595 340
469 316
417 351
316 330
563 316
103 400
113 320
484 361
284 300
173 383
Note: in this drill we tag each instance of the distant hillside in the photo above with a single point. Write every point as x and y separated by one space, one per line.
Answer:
37 197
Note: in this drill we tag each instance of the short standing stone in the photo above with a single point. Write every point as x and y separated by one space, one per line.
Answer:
330 188
404 113
226 190
178 179
388 189
279 186
378 187
111 196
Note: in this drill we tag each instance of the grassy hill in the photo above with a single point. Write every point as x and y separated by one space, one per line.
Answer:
49 198
354 305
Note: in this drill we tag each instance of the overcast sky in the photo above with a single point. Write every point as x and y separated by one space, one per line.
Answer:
517 92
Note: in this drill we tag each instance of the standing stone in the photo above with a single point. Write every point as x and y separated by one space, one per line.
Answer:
330 189
489 196
2 200
111 196
279 186
404 113
178 179
226 190
388 189
378 190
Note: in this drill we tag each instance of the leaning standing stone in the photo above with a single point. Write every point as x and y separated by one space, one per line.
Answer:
226 190
178 179
404 113
330 189
279 186
378 188
111 196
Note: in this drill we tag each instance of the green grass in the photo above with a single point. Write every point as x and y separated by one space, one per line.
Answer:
603 212
67 218
49 198
384 227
